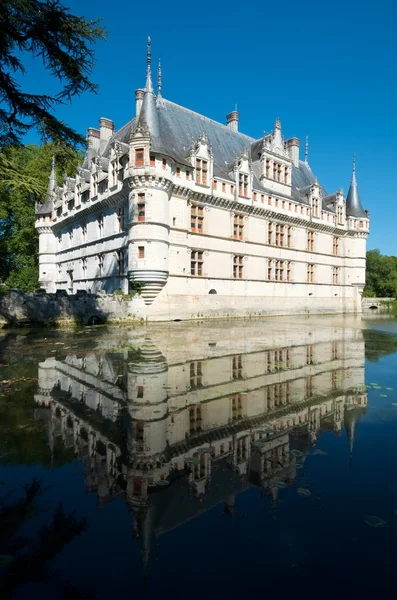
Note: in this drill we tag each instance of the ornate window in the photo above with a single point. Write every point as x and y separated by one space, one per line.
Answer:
335 275
120 262
100 264
84 267
201 171
139 157
196 263
238 227
84 232
243 185
310 241
141 209
238 267
335 246
310 273
121 218
316 207
196 374
340 215
237 366
197 218
100 225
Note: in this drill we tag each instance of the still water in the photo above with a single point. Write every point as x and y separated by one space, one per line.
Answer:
200 460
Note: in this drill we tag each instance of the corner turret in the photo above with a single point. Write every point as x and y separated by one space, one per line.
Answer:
353 203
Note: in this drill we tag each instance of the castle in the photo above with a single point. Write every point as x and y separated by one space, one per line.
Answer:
202 219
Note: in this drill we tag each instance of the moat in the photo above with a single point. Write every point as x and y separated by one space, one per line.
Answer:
209 459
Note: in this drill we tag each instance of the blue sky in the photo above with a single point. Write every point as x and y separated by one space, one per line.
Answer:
327 70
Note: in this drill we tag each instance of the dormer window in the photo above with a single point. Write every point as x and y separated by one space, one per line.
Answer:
95 184
340 215
316 207
201 171
139 156
243 185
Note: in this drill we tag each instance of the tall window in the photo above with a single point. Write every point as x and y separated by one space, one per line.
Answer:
310 273
197 218
141 251
152 160
238 227
267 168
237 366
243 185
270 232
289 237
316 207
100 264
334 351
196 263
139 157
178 171
270 269
309 354
120 262
309 386
196 374
335 246
71 235
335 275
95 184
121 218
238 267
280 235
237 407
100 225
84 232
141 208
310 241
201 171
84 267
289 271
340 215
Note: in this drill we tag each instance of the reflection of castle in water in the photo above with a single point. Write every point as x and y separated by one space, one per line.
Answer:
177 437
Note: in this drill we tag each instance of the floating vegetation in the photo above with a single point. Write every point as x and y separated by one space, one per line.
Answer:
389 388
374 384
377 387
374 521
190 460
394 403
383 395
297 453
162 483
319 452
281 484
304 492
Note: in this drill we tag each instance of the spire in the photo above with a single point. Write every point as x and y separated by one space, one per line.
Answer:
53 181
307 150
149 84
159 80
353 203
277 124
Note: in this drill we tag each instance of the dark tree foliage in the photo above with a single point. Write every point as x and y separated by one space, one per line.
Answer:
381 275
46 30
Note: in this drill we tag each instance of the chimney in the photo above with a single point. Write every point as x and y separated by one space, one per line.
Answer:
293 150
106 128
93 141
138 101
232 120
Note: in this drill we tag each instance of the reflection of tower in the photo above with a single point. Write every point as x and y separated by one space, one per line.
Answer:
147 439
351 419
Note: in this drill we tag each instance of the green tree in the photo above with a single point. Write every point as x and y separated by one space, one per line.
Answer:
46 30
23 183
381 275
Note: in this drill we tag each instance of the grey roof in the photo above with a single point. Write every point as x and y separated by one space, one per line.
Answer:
353 203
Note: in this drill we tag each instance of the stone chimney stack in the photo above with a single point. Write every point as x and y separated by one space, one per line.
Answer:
232 120
93 141
138 101
293 150
106 128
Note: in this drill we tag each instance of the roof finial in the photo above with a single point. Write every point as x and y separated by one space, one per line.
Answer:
159 80
354 182
149 85
307 150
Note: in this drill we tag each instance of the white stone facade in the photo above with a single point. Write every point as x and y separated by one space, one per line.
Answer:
188 208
